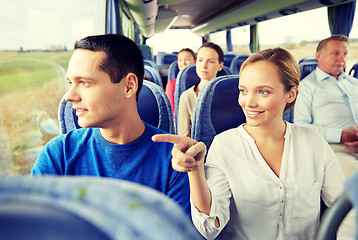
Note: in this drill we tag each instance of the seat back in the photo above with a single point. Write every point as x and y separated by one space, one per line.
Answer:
288 115
333 216
53 207
237 62
153 107
173 70
165 58
228 57
224 71
187 78
307 67
169 58
146 52
307 59
153 75
151 64
354 71
217 109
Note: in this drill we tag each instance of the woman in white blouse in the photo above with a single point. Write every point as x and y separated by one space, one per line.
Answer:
265 178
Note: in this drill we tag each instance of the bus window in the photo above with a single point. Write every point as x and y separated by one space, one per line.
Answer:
241 39
33 59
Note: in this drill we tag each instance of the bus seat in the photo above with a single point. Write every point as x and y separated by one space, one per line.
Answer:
165 58
228 57
236 63
153 107
307 67
307 59
173 70
169 58
153 75
224 71
188 77
151 64
288 115
217 109
146 52
54 207
334 215
354 71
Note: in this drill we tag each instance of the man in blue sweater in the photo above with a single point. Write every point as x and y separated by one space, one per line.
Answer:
105 74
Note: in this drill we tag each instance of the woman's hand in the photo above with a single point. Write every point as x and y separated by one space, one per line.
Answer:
188 154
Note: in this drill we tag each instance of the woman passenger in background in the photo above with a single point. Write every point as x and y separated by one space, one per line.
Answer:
186 57
263 179
210 60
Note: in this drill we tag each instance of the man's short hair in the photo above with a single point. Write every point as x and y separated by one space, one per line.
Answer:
123 56
324 42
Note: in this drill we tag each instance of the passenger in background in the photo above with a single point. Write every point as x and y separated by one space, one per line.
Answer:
210 60
105 74
328 101
263 179
186 57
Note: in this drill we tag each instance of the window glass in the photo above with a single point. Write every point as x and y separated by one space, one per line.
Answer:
34 52
241 39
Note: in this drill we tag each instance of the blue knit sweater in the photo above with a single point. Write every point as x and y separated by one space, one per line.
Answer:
85 152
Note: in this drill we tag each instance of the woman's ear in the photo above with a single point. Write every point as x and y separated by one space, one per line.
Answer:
131 85
292 94
221 66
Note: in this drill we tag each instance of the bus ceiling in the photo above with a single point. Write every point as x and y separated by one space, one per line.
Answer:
204 17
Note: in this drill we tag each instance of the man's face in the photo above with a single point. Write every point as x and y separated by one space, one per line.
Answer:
97 101
332 58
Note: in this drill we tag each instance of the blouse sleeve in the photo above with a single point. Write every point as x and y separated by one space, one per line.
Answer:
220 196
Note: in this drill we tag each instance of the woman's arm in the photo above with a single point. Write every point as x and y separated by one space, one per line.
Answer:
188 156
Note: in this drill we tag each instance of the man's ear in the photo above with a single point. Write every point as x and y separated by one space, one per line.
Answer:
131 85
318 55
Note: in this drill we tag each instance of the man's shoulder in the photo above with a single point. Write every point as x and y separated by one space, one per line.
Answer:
73 137
151 131
310 78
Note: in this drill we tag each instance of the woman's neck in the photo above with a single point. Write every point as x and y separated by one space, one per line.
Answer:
270 132
201 85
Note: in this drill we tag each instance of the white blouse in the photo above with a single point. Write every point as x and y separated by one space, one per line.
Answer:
251 202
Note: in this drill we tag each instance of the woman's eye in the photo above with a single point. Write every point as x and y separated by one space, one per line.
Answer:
84 83
264 92
241 91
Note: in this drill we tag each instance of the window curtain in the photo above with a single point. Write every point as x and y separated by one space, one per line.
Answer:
340 18
254 38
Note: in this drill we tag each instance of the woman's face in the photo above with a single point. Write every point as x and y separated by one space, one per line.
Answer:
184 59
262 95
207 63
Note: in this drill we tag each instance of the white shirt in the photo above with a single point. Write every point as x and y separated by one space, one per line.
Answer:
328 104
252 202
